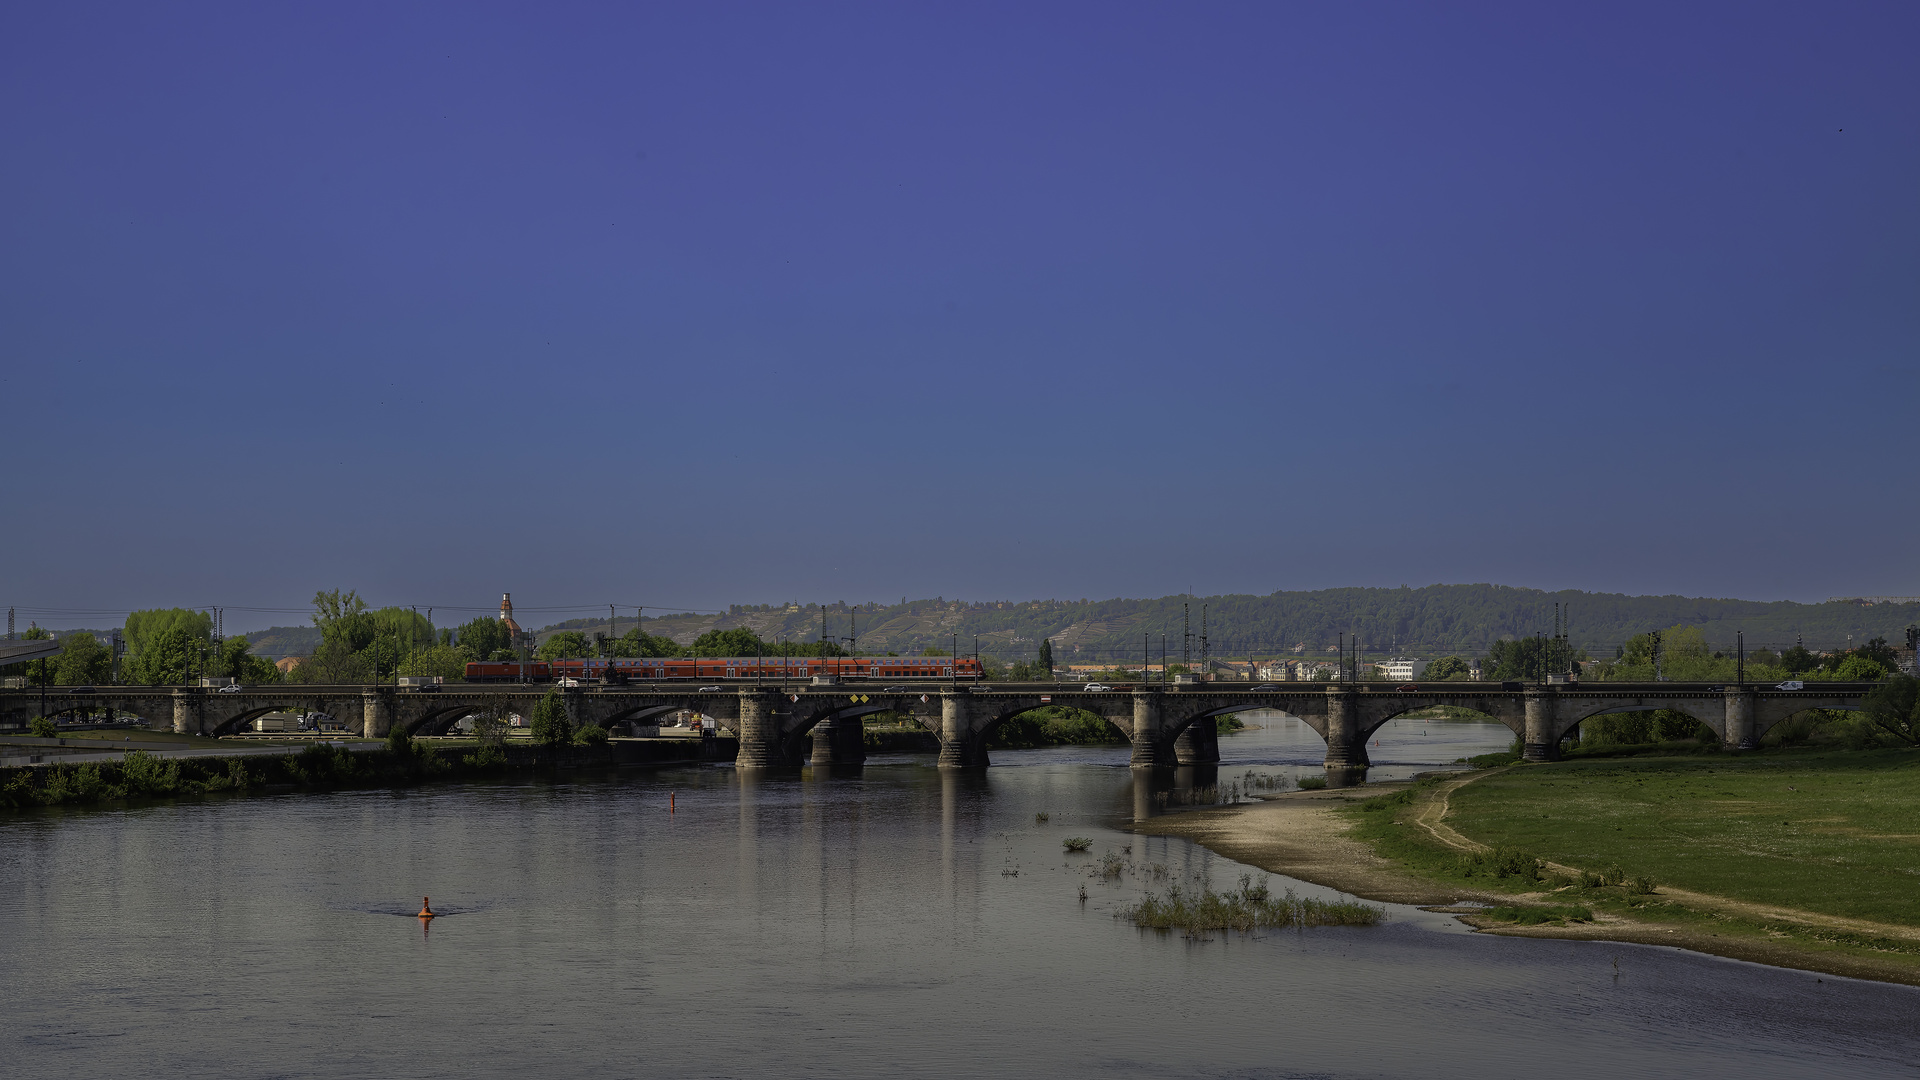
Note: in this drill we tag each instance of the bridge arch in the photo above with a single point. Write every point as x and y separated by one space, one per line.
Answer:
1766 719
1006 713
440 720
238 721
1515 724
1713 720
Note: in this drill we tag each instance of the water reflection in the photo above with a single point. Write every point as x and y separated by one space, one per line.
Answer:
900 921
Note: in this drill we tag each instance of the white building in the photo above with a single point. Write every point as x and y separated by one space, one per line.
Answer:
1403 669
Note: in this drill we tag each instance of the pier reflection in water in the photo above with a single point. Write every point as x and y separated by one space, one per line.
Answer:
897 921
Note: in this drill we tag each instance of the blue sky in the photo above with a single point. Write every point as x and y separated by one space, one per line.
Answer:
699 304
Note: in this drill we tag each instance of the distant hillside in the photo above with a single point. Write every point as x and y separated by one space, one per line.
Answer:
1438 619
278 641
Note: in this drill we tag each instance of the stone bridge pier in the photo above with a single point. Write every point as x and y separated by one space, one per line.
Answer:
774 726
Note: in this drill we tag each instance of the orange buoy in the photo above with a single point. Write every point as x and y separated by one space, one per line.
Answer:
426 912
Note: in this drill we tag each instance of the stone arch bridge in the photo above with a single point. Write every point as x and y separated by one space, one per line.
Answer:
1168 725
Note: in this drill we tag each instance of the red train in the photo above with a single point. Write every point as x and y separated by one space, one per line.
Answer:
649 669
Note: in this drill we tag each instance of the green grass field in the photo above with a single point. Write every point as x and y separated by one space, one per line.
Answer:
1827 831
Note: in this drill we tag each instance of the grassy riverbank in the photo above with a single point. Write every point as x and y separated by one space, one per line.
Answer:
1800 857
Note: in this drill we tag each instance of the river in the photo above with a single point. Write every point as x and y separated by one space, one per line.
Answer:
896 922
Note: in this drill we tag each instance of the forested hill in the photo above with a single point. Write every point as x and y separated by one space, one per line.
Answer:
1438 619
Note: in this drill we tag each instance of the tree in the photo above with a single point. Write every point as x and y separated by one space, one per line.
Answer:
345 624
738 641
565 645
405 630
1858 668
82 662
145 628
333 662
551 724
934 650
481 638
235 662
1893 709
1447 667
444 661
1880 653
1798 659
637 642
1046 655
165 658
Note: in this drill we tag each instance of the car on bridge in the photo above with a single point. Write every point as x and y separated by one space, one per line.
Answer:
710 689
1096 688
230 688
1791 684
1263 686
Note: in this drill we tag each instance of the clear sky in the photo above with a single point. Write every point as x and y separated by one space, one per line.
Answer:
707 303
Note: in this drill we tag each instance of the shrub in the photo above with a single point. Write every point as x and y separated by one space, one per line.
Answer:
399 741
43 728
145 774
551 724
1501 862
590 735
1077 843
1312 783
489 756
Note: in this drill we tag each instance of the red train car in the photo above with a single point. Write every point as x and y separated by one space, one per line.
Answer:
509 671
650 669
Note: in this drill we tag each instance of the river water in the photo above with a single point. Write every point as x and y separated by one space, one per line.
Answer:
895 922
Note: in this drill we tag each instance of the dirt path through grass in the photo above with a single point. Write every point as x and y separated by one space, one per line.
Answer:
1431 816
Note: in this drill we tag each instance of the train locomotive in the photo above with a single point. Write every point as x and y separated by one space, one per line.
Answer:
653 668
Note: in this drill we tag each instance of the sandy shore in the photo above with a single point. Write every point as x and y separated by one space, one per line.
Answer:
1302 835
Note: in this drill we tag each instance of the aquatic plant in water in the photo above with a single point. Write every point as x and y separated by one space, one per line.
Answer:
1251 906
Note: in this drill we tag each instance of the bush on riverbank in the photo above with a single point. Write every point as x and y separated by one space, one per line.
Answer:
1250 907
